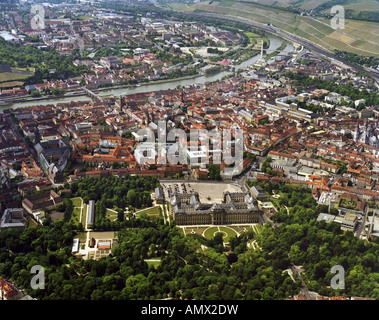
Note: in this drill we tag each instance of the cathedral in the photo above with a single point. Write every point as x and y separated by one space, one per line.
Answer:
366 134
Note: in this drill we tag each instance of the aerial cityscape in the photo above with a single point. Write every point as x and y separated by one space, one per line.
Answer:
189 150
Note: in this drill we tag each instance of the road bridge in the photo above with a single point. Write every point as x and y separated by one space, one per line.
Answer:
92 94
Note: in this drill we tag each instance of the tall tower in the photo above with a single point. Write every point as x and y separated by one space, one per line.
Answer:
365 132
357 132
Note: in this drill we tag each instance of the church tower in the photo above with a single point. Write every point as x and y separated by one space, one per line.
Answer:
357 132
365 132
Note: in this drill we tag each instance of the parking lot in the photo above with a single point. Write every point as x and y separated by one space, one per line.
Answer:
208 192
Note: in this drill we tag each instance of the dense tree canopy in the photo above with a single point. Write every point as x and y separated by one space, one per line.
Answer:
192 267
21 56
318 246
118 193
372 98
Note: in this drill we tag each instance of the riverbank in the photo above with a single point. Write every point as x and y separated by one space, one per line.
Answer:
146 83
80 93
165 84
67 95
276 52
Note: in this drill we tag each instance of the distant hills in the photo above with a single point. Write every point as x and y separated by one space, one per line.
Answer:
354 9
310 19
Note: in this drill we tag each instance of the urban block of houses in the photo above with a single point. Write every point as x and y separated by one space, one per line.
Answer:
46 200
13 218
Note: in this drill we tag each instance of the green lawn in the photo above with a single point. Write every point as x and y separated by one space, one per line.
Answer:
77 202
75 217
226 231
111 214
252 34
242 228
194 230
226 3
152 212
153 261
9 76
84 216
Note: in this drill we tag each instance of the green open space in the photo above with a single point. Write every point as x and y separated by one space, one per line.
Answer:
77 202
75 217
155 262
226 231
151 212
226 3
84 216
111 214
194 230
242 229
252 35
10 76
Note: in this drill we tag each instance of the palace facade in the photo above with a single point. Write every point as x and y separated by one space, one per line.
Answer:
235 208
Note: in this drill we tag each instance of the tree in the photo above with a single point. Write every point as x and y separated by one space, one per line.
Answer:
232 257
214 172
131 198
35 94
266 167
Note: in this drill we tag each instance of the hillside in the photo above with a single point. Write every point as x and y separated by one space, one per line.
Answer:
359 37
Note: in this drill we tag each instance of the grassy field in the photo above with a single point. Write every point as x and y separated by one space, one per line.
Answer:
153 261
252 35
209 231
111 214
151 212
226 3
9 76
310 5
364 5
359 37
227 232
242 229
84 216
76 213
77 202
11 84
194 230
75 217
357 5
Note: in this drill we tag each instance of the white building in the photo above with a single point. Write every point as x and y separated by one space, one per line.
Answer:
12 218
349 222
91 213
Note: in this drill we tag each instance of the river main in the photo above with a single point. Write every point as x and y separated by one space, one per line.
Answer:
275 43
